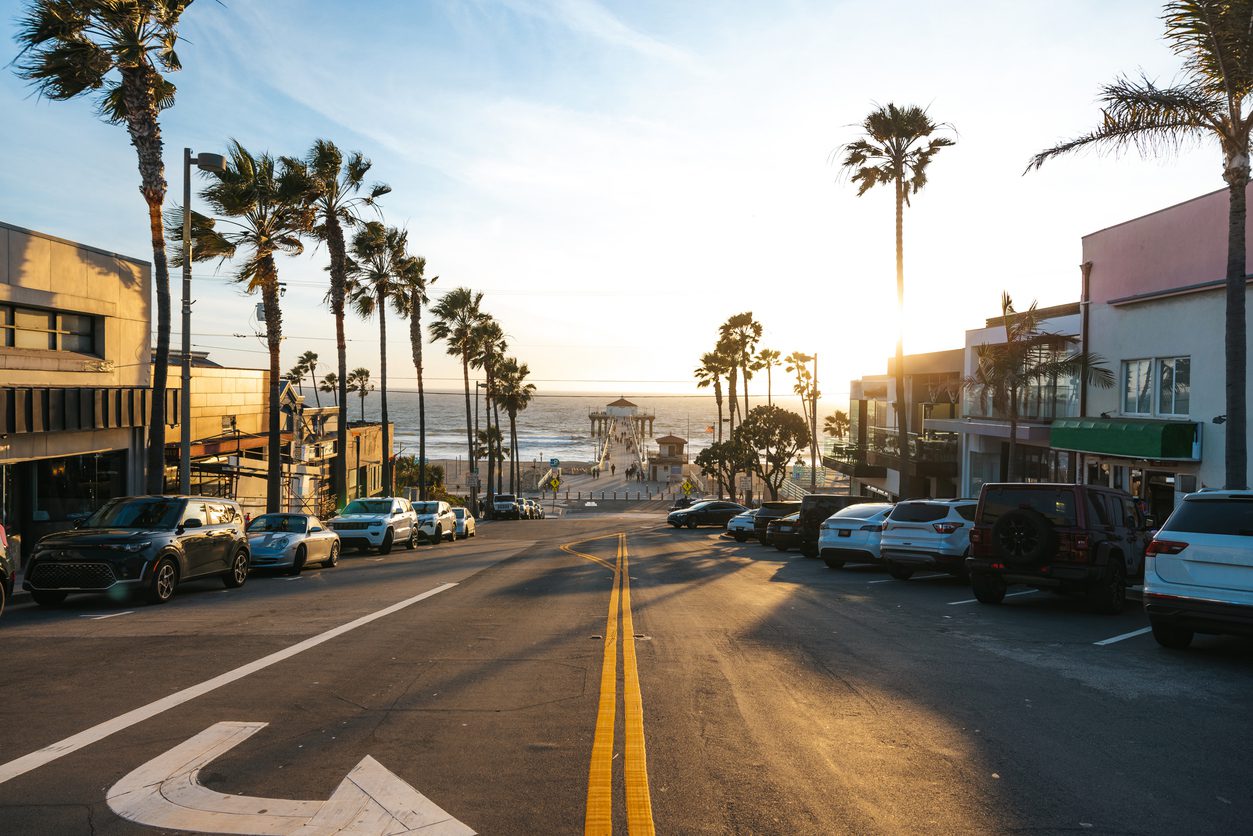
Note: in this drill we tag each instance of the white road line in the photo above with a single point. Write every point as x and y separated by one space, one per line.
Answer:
1010 595
46 755
1124 636
293 578
110 615
919 578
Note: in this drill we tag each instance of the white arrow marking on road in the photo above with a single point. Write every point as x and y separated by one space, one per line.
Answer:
166 792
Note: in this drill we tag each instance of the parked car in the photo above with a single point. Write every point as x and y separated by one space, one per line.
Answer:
145 544
376 523
1085 539
815 508
292 542
505 507
1199 572
927 534
436 521
8 575
852 535
783 533
537 509
709 512
741 525
772 510
466 527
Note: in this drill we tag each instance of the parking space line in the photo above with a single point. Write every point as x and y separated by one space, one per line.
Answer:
1124 636
1010 595
110 615
919 578
96 733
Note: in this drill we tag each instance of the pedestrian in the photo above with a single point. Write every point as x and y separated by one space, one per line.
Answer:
613 469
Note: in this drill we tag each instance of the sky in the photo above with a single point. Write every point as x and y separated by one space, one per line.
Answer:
618 178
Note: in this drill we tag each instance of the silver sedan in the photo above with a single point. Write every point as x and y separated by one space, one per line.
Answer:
465 523
291 542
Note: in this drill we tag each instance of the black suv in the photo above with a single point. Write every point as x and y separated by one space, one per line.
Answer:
772 510
815 508
145 544
1086 539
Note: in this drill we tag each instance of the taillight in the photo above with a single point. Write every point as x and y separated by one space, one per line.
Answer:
946 528
874 527
976 536
1165 547
4 538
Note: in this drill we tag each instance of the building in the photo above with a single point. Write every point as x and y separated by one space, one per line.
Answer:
1156 311
983 429
626 415
871 457
74 379
669 463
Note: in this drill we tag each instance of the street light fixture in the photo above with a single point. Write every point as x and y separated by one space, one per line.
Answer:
205 162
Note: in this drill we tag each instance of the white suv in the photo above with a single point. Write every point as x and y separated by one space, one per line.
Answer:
927 534
376 523
1198 573
851 535
436 521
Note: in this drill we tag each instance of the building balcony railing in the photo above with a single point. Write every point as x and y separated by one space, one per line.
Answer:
932 453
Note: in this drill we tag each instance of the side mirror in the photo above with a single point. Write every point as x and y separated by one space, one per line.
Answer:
315 529
192 523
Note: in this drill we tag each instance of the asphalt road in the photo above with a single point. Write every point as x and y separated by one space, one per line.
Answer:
522 688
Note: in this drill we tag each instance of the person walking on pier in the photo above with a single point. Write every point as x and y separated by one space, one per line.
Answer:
613 469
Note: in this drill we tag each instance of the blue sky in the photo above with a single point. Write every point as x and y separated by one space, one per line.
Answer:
618 178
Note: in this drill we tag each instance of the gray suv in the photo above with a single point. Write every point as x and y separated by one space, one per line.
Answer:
144 544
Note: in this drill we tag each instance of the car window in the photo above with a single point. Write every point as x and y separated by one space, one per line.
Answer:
1129 512
966 512
504 497
1213 515
1056 504
289 523
779 506
1098 509
195 511
368 506
149 512
215 514
862 511
919 512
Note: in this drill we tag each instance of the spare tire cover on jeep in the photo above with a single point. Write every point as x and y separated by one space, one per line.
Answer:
1024 536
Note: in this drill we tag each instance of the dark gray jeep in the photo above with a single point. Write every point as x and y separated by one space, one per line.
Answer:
143 544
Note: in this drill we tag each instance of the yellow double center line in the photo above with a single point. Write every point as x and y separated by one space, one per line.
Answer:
599 817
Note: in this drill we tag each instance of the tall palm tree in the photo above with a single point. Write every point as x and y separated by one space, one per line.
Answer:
1208 101
309 361
359 382
730 352
836 424
379 254
515 396
742 333
411 297
1028 355
490 348
337 196
330 384
260 209
767 359
119 50
709 373
897 149
455 316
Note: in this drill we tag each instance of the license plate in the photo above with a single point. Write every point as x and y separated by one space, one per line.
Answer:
846 532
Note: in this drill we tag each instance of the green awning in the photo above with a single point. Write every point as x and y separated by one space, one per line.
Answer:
1129 437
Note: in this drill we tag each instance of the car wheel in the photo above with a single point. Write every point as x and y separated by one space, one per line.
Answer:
901 573
238 574
164 582
298 563
47 597
677 525
988 589
386 546
740 537
691 523
1109 595
833 563
1172 636
412 542
436 540
780 547
332 559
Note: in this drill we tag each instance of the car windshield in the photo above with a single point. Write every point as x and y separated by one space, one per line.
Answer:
1056 504
289 523
504 497
369 506
919 512
1213 515
864 511
154 512
790 518
697 505
779 506
426 507
459 513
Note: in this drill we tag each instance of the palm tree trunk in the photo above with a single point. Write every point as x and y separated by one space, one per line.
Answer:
491 443
339 273
744 377
500 454
470 459
1011 470
731 390
313 379
718 401
513 451
902 407
273 339
387 432
1236 340
415 341
769 386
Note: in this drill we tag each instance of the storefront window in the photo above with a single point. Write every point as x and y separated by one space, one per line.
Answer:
1174 385
1137 377
75 486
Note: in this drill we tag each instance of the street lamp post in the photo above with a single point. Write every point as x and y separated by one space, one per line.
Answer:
205 162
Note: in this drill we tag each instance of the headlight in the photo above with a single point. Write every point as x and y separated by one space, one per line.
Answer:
132 548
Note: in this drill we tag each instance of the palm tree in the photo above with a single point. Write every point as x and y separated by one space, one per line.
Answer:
379 254
456 314
411 297
330 383
118 49
1206 102
836 424
742 334
729 351
309 362
515 396
898 147
1005 371
359 382
807 388
490 348
767 359
336 192
296 377
261 209
709 373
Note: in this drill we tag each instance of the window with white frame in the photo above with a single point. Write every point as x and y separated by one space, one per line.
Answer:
1173 385
1137 387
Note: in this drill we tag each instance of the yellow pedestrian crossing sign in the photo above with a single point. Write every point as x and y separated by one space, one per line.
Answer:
687 487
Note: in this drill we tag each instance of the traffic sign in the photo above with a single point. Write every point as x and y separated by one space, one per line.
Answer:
554 483
554 462
687 487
